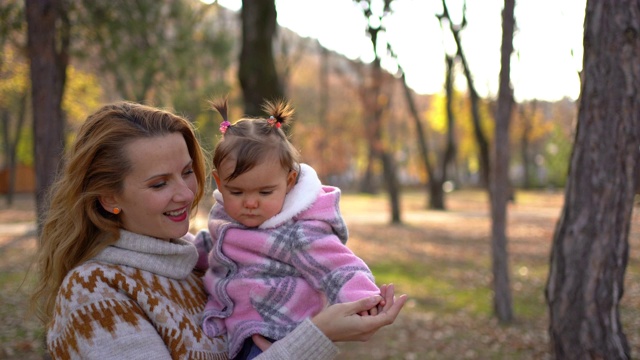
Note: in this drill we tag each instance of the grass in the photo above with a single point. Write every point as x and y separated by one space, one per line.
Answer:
431 292
442 259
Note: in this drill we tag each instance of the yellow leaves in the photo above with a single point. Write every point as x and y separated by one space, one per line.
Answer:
14 77
437 114
436 118
82 95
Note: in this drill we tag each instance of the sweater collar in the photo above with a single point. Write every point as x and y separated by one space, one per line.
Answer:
175 259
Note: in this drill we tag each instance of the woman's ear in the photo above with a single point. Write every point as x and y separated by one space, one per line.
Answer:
291 179
108 203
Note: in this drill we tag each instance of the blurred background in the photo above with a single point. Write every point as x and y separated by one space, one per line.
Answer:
180 53
397 104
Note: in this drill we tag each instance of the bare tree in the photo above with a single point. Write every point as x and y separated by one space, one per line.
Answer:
11 141
527 114
478 131
13 106
437 192
590 247
48 44
374 95
499 185
258 76
436 179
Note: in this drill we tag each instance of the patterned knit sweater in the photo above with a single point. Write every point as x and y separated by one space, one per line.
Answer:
269 279
139 299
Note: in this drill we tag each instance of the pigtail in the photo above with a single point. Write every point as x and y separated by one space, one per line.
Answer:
221 106
280 111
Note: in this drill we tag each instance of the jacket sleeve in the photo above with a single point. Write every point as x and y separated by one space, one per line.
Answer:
204 244
305 342
330 266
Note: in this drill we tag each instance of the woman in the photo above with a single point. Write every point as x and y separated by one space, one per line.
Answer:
115 266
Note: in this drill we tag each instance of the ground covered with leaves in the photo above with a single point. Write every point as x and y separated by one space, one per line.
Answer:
442 259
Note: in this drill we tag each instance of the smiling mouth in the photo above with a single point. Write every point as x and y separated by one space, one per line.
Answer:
176 213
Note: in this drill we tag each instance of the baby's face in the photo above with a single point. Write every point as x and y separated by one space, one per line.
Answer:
258 194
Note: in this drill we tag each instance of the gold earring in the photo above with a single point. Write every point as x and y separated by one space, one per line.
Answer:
116 211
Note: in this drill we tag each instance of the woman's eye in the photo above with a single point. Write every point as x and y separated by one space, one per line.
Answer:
188 172
158 185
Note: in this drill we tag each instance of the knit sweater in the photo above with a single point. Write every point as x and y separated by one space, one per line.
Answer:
267 280
139 299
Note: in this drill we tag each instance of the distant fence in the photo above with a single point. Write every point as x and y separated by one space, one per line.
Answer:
25 180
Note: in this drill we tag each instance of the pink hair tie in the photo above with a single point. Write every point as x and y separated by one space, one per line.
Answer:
273 122
224 126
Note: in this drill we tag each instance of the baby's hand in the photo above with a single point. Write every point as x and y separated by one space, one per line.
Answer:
341 322
378 308
261 342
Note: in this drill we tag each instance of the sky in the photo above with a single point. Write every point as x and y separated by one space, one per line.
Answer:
547 43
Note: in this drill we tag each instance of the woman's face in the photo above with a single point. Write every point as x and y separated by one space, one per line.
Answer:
160 189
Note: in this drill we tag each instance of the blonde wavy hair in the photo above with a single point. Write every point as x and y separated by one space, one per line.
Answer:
76 227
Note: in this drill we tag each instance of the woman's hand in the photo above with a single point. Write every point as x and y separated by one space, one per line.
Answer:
342 322
378 308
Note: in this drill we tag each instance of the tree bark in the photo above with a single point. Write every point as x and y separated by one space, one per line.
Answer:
48 43
590 245
502 304
257 73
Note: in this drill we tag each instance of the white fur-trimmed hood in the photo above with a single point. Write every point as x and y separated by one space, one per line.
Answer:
299 199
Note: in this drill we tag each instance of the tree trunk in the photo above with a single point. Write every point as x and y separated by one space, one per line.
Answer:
422 143
375 95
48 43
11 143
500 173
637 187
323 168
435 181
478 132
527 120
5 118
368 183
393 187
257 73
381 152
590 247
450 147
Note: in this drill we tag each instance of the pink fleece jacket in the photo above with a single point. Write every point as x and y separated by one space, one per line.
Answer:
267 280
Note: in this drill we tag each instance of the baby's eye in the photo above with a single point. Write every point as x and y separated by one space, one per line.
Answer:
235 192
269 192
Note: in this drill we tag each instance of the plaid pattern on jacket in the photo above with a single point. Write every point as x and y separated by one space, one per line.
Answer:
267 280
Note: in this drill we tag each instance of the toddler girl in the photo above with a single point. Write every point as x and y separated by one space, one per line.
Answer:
276 252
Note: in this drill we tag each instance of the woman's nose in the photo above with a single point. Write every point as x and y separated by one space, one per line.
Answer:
184 193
